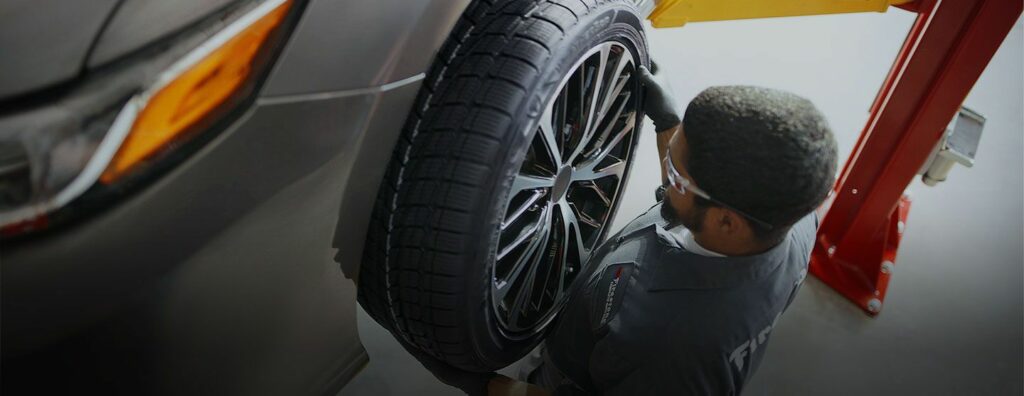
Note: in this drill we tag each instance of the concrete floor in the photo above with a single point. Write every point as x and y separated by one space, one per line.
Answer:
954 317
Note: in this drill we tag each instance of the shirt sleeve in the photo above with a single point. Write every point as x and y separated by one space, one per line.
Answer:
607 366
578 344
609 370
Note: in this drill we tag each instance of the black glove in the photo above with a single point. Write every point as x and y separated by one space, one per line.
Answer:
474 384
659 104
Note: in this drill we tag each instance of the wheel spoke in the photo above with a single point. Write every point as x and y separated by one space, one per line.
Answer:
565 266
562 128
537 237
619 80
581 114
524 235
525 290
593 173
509 283
532 200
602 154
614 93
595 91
557 238
612 121
616 169
546 133
529 182
629 124
585 219
569 217
589 115
600 194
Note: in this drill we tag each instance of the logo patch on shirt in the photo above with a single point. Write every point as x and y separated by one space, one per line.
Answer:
610 290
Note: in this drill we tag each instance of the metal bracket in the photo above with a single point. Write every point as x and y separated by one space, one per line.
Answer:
958 146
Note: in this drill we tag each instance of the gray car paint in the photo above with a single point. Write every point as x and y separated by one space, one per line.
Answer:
225 262
344 45
137 23
310 67
219 277
45 42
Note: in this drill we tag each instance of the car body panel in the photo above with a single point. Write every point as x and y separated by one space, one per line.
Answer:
344 45
220 275
137 23
45 42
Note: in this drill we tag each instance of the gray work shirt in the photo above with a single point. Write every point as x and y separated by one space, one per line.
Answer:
653 318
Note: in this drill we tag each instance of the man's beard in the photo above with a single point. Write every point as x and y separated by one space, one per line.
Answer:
669 214
692 222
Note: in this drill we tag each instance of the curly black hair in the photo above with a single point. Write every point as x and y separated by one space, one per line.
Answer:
766 152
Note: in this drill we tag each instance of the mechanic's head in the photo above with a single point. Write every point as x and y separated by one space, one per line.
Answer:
765 157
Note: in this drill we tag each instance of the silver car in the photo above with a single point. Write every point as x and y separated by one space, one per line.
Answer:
194 194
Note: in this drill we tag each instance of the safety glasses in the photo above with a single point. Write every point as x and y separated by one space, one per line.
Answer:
682 185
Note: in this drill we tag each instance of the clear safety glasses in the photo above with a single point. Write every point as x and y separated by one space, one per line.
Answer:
682 185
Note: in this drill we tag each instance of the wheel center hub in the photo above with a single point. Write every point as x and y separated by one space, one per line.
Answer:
561 183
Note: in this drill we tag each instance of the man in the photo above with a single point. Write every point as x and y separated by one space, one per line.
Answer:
684 298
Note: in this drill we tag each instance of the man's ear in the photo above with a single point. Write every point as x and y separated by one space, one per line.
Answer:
717 218
726 221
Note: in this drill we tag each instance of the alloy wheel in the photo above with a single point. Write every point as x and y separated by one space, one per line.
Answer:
566 189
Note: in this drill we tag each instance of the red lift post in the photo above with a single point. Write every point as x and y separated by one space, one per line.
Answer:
948 47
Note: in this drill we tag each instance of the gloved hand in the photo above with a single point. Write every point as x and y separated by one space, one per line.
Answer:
474 384
659 102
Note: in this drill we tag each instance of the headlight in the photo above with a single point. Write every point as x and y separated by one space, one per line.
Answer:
51 155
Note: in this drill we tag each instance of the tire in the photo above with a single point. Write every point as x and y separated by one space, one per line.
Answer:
452 217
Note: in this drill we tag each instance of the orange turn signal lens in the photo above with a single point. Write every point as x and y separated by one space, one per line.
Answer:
196 92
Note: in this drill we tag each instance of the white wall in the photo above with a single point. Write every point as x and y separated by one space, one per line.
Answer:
954 316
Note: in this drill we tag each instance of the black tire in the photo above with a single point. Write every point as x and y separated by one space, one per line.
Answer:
425 274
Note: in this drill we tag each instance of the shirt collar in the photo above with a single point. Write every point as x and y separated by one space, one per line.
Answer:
675 268
689 242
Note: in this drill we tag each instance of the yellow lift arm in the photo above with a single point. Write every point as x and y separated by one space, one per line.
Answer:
673 13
